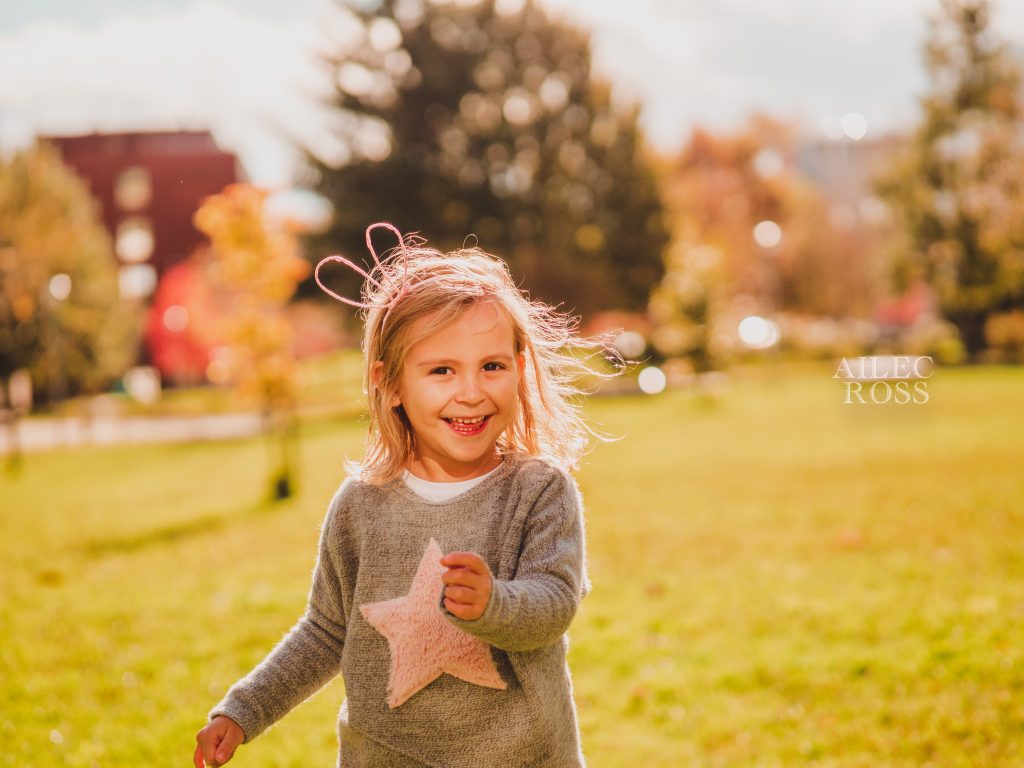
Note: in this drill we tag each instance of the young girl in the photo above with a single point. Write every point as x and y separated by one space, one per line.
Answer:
452 560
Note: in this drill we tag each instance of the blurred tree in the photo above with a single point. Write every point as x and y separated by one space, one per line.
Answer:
681 304
957 192
485 118
61 315
254 268
1004 332
750 234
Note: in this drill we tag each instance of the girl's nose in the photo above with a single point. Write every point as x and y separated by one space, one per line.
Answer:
469 390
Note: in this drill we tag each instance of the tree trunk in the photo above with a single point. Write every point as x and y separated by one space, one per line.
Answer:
280 429
971 326
9 422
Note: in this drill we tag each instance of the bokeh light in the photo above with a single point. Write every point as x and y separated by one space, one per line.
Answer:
142 384
519 107
372 144
60 286
384 34
630 344
175 318
134 242
554 91
652 380
768 234
855 125
758 332
768 163
133 189
136 280
356 79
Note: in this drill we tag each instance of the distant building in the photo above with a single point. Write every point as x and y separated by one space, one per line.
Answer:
843 170
149 186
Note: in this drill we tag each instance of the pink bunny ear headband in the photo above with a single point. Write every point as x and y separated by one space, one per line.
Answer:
402 289
396 289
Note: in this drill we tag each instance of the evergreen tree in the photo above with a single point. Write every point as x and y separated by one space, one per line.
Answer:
467 119
957 192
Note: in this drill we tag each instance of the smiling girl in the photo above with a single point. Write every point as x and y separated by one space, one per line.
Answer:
452 559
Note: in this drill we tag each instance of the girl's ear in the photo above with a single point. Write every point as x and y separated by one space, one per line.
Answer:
376 372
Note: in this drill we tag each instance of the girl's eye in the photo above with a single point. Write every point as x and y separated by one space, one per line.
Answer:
442 369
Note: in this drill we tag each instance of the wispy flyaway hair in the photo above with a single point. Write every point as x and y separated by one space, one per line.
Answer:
413 282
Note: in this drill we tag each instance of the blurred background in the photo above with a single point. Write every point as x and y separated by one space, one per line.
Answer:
746 197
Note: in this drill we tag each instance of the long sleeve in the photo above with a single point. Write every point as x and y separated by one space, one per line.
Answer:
305 660
536 607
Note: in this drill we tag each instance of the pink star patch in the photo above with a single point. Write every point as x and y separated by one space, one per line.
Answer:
423 643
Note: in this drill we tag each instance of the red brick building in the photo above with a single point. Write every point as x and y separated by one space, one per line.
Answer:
149 186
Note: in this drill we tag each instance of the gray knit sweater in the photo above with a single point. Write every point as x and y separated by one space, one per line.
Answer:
377 543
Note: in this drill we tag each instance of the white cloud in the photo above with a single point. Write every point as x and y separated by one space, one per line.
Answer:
713 63
207 65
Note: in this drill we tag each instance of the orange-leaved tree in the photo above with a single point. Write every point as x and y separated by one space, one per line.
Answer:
255 266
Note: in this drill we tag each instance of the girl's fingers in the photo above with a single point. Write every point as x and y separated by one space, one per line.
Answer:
464 577
469 560
462 610
203 757
466 595
453 607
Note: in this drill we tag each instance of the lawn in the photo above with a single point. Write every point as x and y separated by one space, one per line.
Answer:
779 579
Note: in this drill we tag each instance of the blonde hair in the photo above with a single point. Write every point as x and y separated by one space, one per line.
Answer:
412 282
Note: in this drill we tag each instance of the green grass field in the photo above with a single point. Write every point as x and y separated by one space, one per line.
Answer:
779 579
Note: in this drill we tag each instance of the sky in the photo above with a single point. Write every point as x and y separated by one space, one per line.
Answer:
246 68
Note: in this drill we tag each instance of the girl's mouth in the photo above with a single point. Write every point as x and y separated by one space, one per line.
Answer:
468 427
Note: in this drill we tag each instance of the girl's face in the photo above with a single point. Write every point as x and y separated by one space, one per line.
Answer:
467 371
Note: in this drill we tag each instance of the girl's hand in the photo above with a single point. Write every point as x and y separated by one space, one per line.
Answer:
468 581
217 742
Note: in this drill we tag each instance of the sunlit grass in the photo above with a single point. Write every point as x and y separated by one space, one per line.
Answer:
778 580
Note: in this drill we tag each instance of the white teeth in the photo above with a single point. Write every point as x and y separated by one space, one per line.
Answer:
468 421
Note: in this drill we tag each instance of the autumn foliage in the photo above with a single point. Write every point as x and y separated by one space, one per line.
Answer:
719 191
254 267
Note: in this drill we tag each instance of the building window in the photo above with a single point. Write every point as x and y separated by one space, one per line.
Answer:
136 281
134 243
133 189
